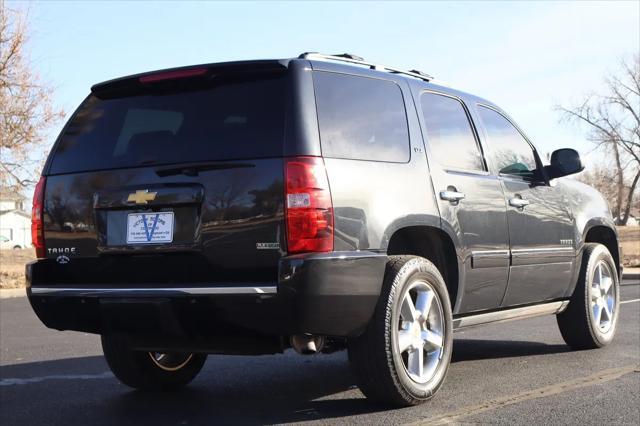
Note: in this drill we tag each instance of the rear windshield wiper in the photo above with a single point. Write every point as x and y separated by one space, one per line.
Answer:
194 169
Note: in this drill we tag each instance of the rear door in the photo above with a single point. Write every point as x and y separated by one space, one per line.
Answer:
540 219
470 200
184 176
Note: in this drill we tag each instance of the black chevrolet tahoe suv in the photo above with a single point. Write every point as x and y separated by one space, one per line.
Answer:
316 203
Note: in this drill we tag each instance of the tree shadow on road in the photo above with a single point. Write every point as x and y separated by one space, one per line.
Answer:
478 349
231 389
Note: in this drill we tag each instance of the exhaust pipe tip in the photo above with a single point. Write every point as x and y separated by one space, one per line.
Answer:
307 344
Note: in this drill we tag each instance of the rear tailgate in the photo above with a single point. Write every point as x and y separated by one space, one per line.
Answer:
169 181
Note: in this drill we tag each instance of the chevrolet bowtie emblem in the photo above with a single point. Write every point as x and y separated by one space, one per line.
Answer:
142 197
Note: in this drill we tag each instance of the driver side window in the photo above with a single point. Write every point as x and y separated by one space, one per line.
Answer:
509 151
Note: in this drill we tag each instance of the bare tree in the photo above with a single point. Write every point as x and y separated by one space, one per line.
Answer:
26 108
613 120
605 179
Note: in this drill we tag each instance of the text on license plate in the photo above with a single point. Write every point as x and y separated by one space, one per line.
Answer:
149 228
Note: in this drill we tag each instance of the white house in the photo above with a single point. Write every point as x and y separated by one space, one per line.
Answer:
633 220
15 223
634 217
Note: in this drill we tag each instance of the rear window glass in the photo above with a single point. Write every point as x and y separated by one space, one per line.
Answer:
230 119
361 118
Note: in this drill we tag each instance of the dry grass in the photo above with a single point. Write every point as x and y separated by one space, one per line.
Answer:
12 261
12 267
630 241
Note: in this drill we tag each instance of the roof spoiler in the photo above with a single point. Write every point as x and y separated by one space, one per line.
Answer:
190 74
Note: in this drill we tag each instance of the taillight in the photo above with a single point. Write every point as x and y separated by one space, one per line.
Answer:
37 230
309 210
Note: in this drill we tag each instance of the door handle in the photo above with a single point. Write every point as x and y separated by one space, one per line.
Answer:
451 195
518 202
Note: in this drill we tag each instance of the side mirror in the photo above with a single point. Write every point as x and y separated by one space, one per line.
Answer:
565 161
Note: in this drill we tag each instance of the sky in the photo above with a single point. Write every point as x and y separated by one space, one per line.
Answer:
526 57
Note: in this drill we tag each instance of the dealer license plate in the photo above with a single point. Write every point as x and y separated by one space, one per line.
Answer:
150 228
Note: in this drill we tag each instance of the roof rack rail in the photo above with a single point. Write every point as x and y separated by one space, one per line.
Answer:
354 59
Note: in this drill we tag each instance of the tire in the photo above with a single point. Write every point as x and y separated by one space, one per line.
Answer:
587 323
385 372
150 371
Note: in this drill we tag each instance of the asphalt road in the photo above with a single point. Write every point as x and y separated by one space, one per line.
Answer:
513 373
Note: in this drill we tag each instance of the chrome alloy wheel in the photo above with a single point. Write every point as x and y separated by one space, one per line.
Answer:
603 297
420 335
170 361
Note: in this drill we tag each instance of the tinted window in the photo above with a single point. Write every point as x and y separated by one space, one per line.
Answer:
361 118
449 133
509 151
225 120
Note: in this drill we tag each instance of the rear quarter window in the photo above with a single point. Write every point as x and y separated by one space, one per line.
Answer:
361 118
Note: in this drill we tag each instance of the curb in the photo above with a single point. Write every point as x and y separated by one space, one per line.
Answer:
631 273
7 293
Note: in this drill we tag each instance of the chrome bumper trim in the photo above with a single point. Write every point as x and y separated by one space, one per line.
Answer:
125 292
510 314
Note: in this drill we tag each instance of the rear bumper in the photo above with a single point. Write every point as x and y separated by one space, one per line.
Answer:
331 294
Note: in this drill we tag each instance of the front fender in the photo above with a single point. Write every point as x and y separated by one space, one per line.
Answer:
590 210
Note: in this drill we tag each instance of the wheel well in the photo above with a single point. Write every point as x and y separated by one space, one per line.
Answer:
432 244
606 237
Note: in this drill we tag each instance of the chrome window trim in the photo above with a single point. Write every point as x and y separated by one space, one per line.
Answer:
472 173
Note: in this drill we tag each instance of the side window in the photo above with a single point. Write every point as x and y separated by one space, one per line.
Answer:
449 133
510 152
361 118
